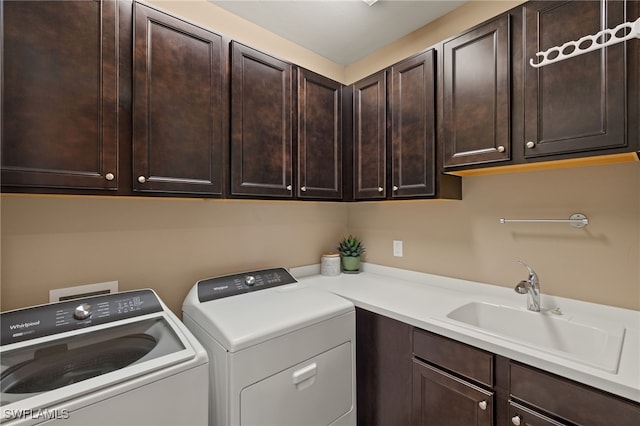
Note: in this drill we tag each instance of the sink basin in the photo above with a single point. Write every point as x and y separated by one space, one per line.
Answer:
597 344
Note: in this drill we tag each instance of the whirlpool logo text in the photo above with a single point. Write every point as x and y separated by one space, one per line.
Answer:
24 325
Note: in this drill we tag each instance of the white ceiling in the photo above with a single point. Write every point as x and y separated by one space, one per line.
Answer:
343 31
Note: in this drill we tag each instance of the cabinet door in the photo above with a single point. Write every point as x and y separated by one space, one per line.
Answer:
59 100
383 363
413 134
370 137
477 95
577 104
319 137
261 161
178 105
440 399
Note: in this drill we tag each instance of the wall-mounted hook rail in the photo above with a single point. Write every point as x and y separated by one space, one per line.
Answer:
577 220
604 38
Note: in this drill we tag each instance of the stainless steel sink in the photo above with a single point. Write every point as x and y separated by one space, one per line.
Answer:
596 343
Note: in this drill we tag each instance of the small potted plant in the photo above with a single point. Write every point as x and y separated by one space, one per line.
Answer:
350 249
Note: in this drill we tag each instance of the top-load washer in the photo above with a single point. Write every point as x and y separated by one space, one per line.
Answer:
280 354
117 359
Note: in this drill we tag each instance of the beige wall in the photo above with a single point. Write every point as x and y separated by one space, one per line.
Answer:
599 263
166 244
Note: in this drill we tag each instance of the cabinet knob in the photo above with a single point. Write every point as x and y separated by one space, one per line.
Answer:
109 176
530 144
289 187
395 188
380 189
482 405
142 179
515 420
501 148
303 189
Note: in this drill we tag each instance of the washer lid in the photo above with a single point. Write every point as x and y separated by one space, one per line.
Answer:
248 319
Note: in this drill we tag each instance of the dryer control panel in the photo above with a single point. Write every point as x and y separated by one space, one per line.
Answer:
231 285
54 318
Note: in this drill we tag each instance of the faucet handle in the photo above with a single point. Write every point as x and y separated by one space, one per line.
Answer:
532 274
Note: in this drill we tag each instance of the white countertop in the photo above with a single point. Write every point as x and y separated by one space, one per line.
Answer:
423 300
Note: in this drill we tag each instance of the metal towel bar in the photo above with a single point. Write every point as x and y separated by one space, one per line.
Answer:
577 220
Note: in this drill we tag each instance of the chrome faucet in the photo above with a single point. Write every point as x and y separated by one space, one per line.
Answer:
530 287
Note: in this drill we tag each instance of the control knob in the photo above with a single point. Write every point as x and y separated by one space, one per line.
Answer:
83 311
250 280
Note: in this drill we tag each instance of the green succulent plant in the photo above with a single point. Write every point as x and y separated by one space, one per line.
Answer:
351 247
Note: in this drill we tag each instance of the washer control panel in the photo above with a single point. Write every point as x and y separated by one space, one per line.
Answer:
231 285
45 320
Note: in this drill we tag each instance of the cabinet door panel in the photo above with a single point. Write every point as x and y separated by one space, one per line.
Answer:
383 362
319 137
440 399
178 105
413 126
577 104
59 100
261 158
477 100
370 138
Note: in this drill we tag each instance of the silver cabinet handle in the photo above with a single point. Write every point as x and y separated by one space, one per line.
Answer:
530 144
395 188
501 148
109 176
289 187
303 189
142 179
380 189
482 405
515 420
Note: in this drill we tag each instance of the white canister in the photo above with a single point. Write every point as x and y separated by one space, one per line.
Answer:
330 264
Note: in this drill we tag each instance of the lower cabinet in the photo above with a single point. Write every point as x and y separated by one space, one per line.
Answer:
452 382
408 376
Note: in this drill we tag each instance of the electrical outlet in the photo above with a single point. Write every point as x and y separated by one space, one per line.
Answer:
397 248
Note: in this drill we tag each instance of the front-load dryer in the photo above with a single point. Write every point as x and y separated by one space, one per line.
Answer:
117 359
280 354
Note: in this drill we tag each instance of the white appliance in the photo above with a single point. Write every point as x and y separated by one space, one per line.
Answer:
280 354
116 359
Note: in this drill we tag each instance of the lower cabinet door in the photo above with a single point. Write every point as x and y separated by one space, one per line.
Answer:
440 399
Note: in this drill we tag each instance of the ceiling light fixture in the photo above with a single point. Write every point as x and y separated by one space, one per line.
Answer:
370 2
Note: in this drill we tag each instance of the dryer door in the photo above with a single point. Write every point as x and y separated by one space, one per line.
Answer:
315 392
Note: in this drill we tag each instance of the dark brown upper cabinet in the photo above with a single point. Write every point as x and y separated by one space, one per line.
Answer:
579 104
261 116
370 137
319 137
59 100
413 127
178 106
476 91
